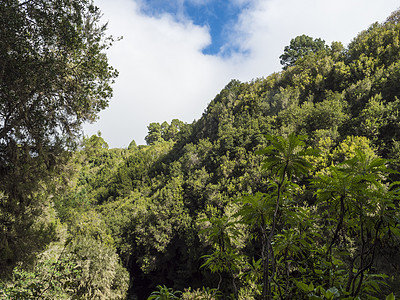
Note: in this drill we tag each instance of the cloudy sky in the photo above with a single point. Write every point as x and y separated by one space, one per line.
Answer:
176 55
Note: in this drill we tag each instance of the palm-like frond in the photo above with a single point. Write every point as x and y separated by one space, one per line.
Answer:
257 209
287 156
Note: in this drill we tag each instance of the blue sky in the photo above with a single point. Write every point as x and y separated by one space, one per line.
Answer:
176 55
219 16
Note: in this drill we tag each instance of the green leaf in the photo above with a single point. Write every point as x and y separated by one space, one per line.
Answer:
329 294
319 289
390 297
311 287
302 286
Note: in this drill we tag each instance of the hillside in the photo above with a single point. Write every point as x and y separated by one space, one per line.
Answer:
284 188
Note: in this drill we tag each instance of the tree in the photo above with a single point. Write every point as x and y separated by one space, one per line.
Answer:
394 17
284 159
299 47
171 131
82 265
164 131
54 75
155 134
356 195
220 233
132 145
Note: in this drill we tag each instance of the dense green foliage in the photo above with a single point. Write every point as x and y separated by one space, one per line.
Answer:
285 188
54 75
299 47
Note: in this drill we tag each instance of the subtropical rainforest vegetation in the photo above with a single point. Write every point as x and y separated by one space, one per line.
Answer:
287 187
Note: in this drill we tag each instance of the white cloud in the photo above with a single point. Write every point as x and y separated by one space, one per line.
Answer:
269 25
164 74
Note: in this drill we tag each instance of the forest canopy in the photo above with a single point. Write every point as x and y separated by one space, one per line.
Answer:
287 187
54 75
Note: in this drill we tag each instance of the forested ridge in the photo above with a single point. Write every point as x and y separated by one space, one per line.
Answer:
286 187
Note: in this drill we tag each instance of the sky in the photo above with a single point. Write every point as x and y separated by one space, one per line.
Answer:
175 56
